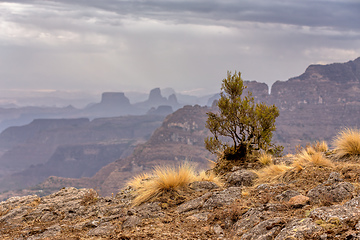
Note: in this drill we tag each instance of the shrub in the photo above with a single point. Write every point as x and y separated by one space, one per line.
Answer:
89 198
241 126
347 142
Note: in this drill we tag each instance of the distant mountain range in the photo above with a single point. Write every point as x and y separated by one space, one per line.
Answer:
112 104
313 106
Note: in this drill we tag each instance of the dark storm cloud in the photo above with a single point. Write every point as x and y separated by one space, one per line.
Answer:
316 13
109 44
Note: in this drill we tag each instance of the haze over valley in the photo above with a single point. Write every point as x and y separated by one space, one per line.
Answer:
105 143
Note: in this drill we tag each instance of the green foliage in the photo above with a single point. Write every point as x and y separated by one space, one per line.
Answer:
241 126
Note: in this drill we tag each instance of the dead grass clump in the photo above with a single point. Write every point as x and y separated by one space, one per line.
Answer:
320 146
210 176
138 181
167 184
271 173
347 142
265 159
162 179
309 157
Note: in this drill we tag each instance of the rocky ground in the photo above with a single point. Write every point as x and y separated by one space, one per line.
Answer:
316 202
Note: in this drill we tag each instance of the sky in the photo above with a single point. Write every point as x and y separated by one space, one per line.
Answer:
137 45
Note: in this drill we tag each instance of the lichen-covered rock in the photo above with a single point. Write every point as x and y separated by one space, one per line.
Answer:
196 203
344 214
299 229
241 178
149 210
286 195
203 185
102 230
225 197
336 192
248 221
334 177
265 230
355 202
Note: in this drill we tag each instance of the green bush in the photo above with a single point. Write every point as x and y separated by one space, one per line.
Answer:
240 126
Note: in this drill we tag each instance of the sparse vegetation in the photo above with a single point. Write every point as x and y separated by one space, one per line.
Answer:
241 126
271 172
313 157
347 142
265 158
321 146
210 176
167 179
89 198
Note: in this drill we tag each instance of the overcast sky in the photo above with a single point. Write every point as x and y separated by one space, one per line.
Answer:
122 45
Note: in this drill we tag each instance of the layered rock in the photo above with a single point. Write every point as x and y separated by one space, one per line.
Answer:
71 148
317 104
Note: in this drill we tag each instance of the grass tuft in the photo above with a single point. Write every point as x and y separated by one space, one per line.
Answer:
165 179
210 176
271 172
265 159
347 142
312 157
321 146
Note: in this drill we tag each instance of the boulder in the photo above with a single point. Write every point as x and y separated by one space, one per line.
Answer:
194 204
299 229
203 185
299 201
250 219
241 178
336 192
286 195
225 197
341 213
265 230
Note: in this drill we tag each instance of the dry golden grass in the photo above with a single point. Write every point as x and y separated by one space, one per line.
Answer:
138 181
347 142
167 179
211 177
271 172
321 146
307 157
265 159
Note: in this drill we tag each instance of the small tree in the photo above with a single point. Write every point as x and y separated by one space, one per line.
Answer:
241 126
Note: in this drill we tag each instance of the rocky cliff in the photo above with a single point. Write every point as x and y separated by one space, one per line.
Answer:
179 138
316 104
69 148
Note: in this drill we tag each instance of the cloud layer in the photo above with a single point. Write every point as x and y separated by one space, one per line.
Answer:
122 45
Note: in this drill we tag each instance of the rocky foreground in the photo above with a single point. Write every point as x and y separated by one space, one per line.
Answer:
316 202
